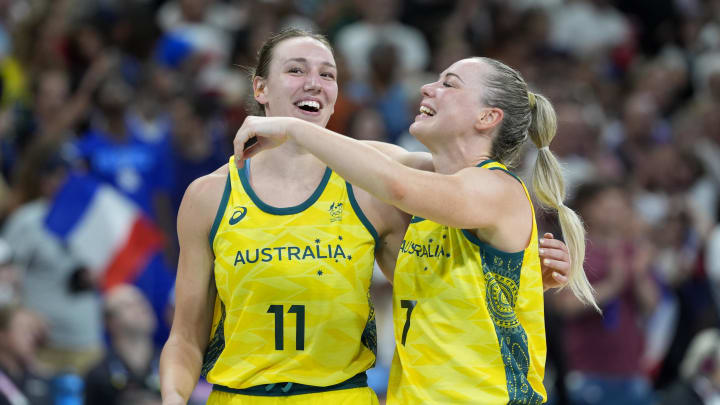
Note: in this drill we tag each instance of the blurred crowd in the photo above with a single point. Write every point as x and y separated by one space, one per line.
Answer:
146 95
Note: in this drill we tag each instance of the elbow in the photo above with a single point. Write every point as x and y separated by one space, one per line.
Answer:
395 189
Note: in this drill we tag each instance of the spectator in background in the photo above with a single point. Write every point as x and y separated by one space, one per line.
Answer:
21 332
128 374
604 351
570 25
367 125
117 156
383 90
379 24
197 146
10 282
141 170
56 112
53 282
699 382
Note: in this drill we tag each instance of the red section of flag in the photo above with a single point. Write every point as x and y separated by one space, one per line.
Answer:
144 240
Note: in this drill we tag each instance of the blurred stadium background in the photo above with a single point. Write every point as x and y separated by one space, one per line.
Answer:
126 102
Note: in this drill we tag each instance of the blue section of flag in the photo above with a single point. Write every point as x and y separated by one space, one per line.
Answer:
70 204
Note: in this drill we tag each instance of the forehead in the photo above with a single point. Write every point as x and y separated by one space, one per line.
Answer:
307 48
471 70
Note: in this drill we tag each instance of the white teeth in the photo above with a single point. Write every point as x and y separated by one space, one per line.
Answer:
309 103
426 111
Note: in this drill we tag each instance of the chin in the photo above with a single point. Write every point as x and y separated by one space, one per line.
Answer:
416 130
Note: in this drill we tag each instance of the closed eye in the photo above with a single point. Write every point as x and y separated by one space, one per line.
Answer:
447 84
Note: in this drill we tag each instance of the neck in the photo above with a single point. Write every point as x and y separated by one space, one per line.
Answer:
288 161
135 350
453 155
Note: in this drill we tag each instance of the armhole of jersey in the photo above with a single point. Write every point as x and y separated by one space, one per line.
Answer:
360 214
489 248
220 212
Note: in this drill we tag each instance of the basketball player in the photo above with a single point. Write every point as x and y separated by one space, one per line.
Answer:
276 259
468 304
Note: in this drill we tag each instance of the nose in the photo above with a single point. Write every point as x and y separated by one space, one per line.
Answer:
427 90
312 82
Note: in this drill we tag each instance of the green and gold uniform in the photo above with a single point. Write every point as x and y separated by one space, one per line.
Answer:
469 322
293 319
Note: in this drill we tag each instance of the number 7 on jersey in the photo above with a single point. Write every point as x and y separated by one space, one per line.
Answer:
409 305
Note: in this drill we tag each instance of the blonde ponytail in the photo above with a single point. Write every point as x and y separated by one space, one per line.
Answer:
549 187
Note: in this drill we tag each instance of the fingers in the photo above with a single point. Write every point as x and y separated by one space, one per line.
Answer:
238 146
554 253
556 266
242 138
559 278
549 244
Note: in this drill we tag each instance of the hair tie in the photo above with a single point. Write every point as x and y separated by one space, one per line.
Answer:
547 148
531 99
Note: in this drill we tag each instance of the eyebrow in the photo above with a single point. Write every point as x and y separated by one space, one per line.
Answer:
453 74
304 60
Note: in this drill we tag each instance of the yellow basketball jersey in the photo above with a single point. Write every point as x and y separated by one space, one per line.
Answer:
468 318
293 288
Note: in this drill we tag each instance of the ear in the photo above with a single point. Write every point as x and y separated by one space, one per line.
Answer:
488 118
259 87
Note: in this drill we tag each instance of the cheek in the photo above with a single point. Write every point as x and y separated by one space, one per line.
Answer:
332 91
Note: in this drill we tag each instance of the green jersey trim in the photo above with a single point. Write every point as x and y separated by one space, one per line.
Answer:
484 162
244 179
216 345
487 247
289 388
360 214
508 172
220 211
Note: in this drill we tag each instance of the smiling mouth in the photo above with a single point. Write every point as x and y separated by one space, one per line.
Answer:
308 105
426 111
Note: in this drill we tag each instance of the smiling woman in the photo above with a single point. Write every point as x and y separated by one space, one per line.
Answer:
275 309
468 289
303 71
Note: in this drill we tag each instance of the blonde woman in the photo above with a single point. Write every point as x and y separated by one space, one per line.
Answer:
468 304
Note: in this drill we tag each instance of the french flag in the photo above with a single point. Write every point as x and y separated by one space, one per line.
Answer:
105 230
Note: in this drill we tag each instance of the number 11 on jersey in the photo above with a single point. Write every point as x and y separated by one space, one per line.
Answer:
299 311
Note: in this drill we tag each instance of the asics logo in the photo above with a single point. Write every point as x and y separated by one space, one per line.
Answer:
238 215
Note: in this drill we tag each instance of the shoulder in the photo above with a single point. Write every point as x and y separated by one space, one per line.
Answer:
498 183
26 215
202 198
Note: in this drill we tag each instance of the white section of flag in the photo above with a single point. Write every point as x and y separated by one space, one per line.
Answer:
103 229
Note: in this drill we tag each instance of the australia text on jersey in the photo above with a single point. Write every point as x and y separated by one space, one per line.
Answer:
427 249
290 253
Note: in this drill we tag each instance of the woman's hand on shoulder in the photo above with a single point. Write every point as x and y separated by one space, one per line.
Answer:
260 133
